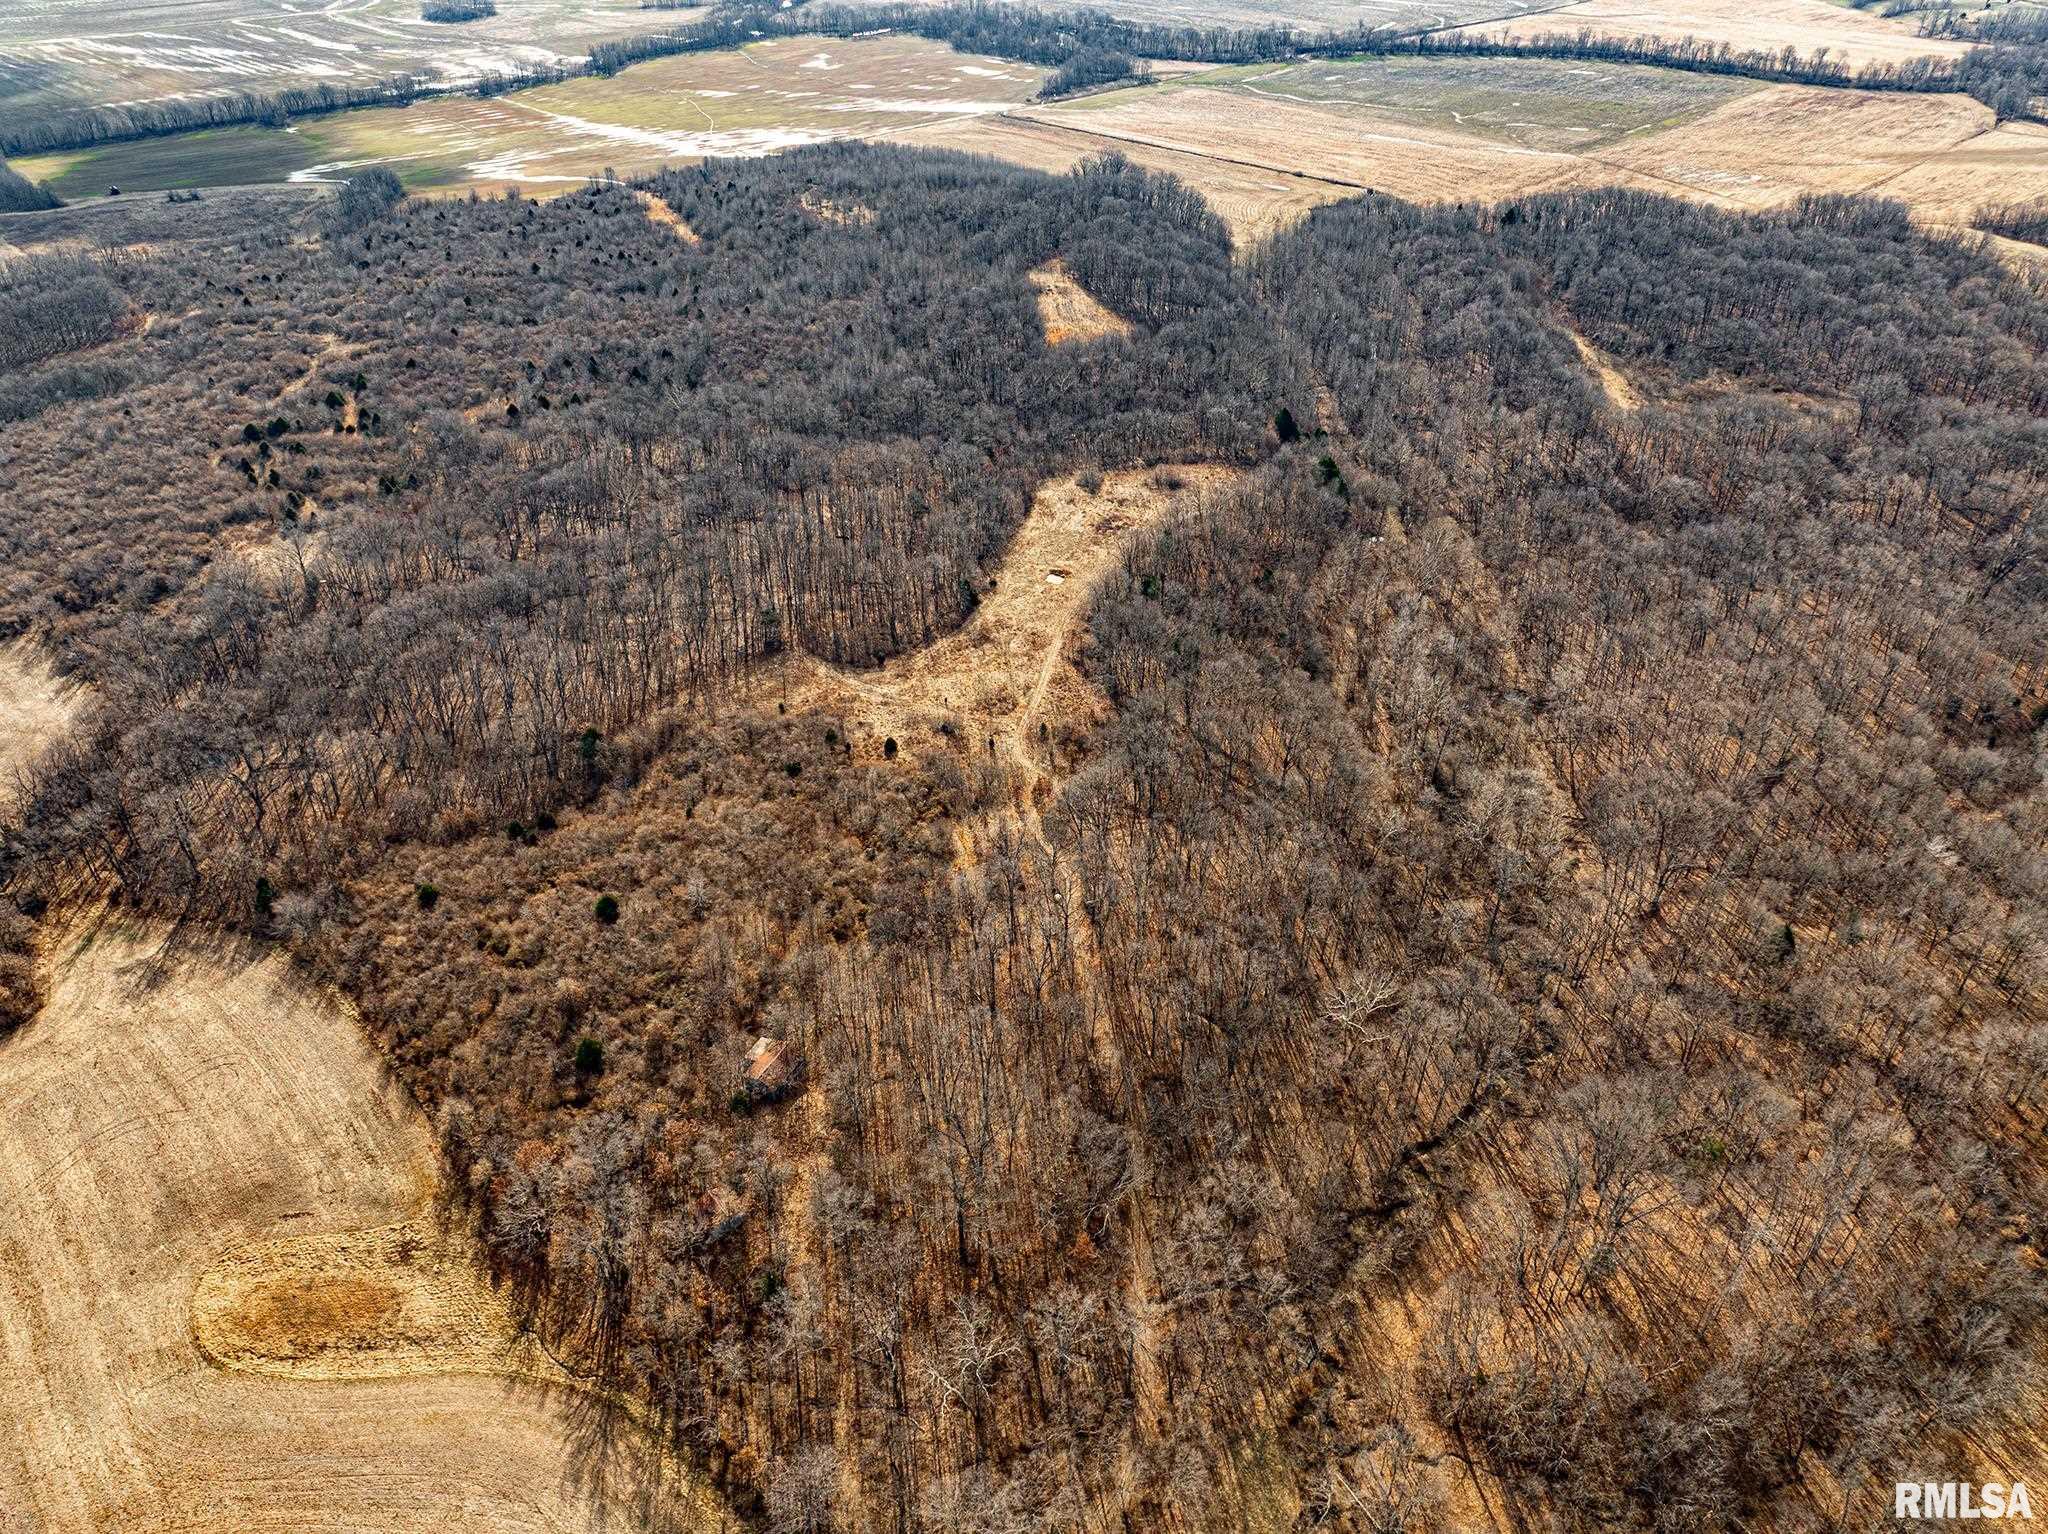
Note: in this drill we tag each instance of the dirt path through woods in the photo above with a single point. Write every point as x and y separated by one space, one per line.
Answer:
659 212
1010 669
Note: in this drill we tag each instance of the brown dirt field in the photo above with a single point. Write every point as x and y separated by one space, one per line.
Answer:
1773 145
1859 37
1254 200
199 1156
1008 669
1069 311
36 707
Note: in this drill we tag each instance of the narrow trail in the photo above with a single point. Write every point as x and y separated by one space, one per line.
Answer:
331 345
1621 394
659 212
995 683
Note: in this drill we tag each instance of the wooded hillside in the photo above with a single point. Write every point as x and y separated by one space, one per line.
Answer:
1526 991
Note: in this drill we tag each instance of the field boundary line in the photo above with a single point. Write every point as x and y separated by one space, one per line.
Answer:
1198 154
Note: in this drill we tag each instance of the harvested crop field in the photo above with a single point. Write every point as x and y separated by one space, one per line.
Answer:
1782 142
397 1300
1406 130
1352 149
1262 143
1854 36
2005 164
1534 103
1313 14
1254 200
202 1160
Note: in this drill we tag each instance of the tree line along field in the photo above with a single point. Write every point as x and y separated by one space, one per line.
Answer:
1857 34
1331 15
1488 970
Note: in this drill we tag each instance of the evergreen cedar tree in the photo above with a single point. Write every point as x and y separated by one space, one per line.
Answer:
1524 840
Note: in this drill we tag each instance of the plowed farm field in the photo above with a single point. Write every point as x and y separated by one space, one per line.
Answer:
224 1301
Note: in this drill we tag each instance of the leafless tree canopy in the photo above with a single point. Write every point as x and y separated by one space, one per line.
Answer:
1539 968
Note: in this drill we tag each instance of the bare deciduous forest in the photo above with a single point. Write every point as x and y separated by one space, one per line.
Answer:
1534 980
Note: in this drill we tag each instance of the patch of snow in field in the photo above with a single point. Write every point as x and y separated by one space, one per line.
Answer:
986 74
820 61
476 63
1334 101
739 143
713 95
367 26
325 173
330 44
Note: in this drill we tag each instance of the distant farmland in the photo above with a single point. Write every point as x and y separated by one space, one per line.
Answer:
1263 143
1540 103
772 95
70 53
